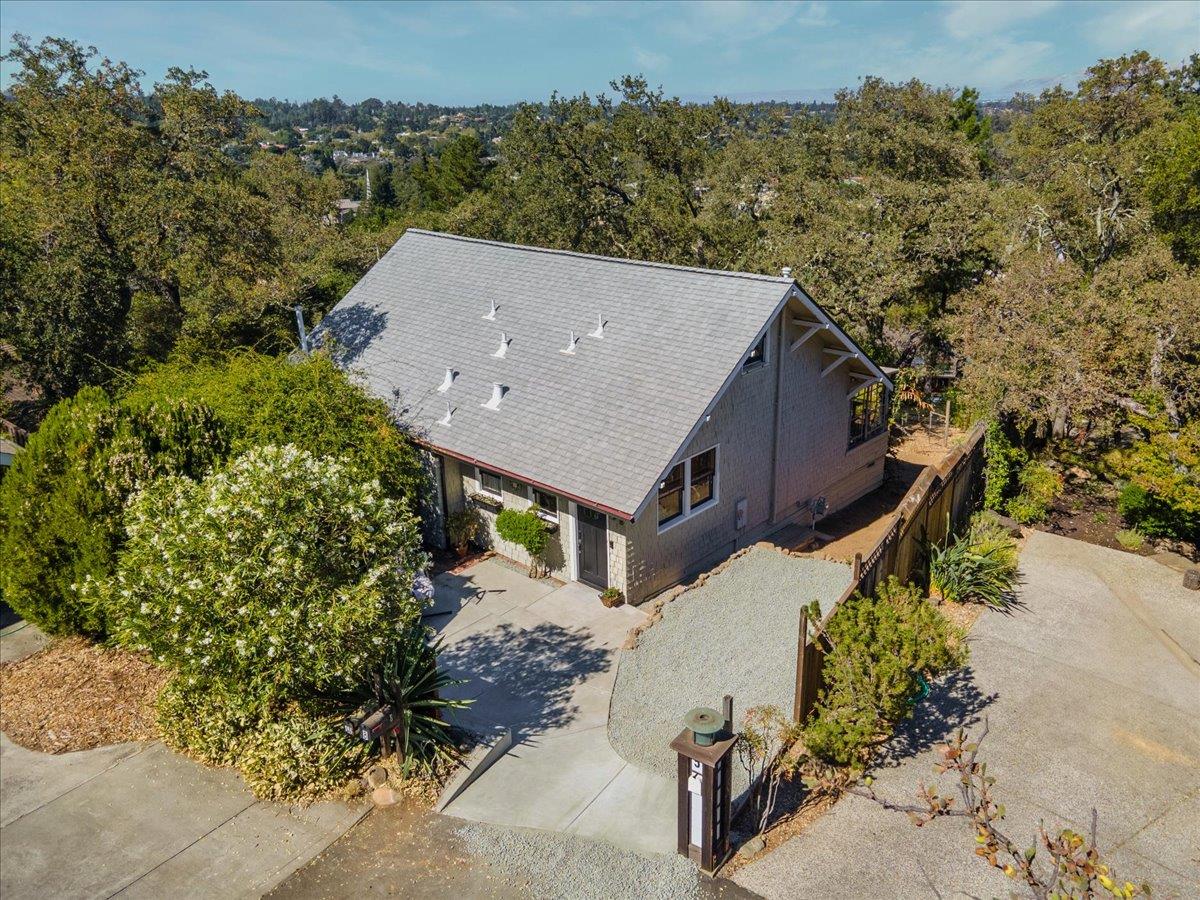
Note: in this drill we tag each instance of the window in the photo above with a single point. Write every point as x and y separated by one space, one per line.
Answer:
670 496
546 502
698 475
489 482
704 474
868 413
757 357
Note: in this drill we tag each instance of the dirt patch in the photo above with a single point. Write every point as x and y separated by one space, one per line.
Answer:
75 695
1087 511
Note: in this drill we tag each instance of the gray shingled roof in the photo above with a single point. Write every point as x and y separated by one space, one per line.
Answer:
600 425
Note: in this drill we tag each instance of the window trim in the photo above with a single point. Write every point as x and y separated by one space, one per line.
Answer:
869 434
499 495
542 511
688 510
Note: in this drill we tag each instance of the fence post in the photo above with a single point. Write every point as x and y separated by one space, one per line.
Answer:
801 659
857 571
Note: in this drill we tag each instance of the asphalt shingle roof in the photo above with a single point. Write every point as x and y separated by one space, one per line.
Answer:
600 425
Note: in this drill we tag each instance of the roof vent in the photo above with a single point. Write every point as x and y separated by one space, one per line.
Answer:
571 342
503 348
599 332
498 392
786 272
491 313
447 381
445 420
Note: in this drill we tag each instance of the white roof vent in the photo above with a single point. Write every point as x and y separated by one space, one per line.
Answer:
491 313
786 272
571 342
498 392
447 381
599 332
503 348
445 420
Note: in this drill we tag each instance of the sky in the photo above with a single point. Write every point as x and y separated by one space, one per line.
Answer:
501 52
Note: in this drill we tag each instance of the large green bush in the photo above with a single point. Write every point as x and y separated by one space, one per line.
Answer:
280 577
880 647
1003 460
62 503
1161 496
1039 487
310 403
527 530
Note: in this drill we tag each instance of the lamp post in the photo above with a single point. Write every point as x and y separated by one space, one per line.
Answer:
705 753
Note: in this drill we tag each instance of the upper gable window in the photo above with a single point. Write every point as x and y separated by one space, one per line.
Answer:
868 413
757 357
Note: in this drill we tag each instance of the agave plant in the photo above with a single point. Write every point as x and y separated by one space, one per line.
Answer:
980 567
409 680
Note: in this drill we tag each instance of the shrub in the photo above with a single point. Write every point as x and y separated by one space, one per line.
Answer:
1130 538
278 578
881 646
611 597
526 529
463 527
1162 496
980 566
1040 485
1003 460
203 720
313 404
62 503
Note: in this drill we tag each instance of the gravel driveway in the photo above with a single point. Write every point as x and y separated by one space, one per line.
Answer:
734 634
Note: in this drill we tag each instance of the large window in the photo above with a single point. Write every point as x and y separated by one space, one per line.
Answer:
868 413
489 482
546 503
689 487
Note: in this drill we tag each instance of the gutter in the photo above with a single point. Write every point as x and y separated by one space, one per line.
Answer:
517 476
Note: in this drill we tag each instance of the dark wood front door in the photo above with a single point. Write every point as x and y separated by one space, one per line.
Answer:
593 547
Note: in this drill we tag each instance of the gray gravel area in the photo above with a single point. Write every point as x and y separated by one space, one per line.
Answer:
735 634
563 866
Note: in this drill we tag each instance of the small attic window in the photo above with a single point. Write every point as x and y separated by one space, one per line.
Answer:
757 357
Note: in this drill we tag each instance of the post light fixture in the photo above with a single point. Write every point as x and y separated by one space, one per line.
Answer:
705 750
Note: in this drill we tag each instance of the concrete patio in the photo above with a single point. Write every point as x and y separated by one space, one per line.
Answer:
541 660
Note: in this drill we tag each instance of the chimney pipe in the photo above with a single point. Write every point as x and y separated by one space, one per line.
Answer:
503 349
447 381
491 314
786 272
571 342
498 392
445 420
599 332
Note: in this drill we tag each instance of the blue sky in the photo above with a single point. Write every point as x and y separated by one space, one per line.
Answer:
467 52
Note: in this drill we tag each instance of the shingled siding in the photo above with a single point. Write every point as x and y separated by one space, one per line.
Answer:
515 495
813 461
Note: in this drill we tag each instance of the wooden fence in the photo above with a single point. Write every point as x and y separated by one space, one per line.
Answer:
940 502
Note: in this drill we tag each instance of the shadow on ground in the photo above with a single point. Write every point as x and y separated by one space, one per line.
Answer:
954 702
529 675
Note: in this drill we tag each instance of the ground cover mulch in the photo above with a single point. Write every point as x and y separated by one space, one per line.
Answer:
75 695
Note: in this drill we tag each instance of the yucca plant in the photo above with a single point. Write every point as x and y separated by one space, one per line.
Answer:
409 680
980 567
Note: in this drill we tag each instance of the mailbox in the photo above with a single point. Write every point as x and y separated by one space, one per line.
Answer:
354 721
377 723
705 750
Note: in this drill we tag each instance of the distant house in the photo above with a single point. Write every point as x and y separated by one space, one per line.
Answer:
344 209
12 439
660 416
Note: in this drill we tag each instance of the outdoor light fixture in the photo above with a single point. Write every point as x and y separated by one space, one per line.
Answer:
705 750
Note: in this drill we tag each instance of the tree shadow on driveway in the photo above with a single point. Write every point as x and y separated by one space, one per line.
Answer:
954 702
527 677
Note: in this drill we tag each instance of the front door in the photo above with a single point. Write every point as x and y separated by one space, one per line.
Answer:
593 547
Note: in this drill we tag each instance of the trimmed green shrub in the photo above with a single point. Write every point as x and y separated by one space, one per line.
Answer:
980 566
1040 486
880 647
526 529
312 403
62 504
280 577
1162 495
1003 460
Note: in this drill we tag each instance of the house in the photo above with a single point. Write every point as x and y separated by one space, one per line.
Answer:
659 416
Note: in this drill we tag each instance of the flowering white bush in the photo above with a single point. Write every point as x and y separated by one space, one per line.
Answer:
280 577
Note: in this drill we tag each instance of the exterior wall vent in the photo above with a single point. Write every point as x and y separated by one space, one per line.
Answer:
447 381
599 332
491 313
445 420
503 348
498 392
571 342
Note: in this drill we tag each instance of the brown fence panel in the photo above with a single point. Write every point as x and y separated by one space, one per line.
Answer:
939 503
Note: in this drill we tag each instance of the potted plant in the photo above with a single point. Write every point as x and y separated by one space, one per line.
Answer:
463 527
611 597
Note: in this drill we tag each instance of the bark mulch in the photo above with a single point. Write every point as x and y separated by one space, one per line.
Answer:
75 695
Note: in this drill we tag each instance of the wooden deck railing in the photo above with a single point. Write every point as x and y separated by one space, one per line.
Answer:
939 502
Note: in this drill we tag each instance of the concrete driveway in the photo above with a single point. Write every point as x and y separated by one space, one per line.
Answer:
1091 692
137 820
541 659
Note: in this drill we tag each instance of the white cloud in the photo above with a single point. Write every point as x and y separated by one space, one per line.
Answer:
736 21
1168 28
649 60
986 18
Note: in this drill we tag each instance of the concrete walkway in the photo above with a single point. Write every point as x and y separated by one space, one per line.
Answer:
1091 693
137 820
541 659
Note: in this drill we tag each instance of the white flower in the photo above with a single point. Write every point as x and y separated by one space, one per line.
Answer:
271 651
